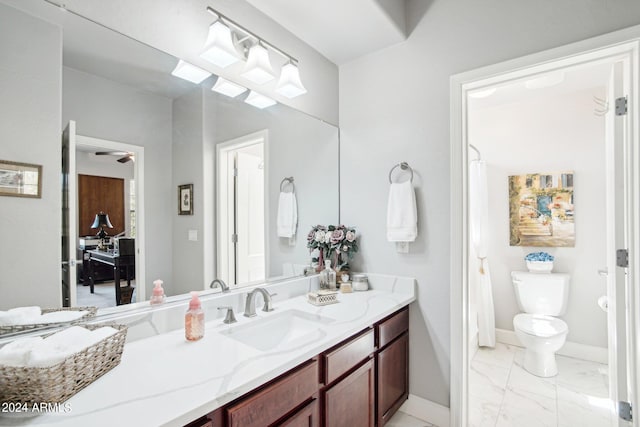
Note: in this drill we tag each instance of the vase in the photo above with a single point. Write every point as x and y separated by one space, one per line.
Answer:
320 266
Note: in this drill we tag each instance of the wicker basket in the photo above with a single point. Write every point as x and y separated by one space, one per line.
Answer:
57 383
10 329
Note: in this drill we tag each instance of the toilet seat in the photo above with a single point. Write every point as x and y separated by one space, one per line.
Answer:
539 325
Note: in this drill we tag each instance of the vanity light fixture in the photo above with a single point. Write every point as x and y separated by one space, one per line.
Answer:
219 48
189 72
228 88
289 84
259 101
258 67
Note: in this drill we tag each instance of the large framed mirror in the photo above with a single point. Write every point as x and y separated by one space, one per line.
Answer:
143 135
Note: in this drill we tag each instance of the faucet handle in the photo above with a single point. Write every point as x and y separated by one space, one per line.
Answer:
268 304
230 317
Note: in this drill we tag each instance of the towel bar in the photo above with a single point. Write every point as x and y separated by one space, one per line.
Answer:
288 179
403 166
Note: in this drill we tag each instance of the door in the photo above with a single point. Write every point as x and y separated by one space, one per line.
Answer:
69 211
618 160
250 257
351 402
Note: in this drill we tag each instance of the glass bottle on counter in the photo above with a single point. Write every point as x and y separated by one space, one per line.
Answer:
194 319
328 277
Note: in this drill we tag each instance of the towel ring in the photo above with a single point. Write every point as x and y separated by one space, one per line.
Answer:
287 180
403 166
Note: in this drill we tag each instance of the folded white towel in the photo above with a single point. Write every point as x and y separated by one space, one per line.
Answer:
19 316
402 214
61 316
287 221
16 353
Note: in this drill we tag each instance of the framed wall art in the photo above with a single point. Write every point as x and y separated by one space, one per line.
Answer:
185 199
20 179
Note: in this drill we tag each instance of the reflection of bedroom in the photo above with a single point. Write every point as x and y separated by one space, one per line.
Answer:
104 185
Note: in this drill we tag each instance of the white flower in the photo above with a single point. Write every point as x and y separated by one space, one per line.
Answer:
351 236
327 237
345 248
320 236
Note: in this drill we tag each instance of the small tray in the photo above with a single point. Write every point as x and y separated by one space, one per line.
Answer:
322 297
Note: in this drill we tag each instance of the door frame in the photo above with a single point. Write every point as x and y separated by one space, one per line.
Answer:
620 43
138 176
222 235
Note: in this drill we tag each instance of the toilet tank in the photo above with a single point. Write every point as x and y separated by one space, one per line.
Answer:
541 293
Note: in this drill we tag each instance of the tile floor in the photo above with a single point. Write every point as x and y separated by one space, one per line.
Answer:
502 393
400 419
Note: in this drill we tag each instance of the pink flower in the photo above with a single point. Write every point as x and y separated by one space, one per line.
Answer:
337 236
351 236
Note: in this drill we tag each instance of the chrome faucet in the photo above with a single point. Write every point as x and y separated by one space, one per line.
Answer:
250 306
223 286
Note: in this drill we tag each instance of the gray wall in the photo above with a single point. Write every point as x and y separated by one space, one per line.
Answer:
394 106
299 146
30 74
109 110
187 169
157 22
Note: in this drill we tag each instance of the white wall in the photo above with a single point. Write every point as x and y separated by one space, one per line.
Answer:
539 135
180 28
394 106
30 74
108 110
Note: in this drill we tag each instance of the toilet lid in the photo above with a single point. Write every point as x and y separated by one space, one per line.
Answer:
539 325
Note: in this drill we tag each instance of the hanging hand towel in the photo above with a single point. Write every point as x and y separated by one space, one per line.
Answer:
402 214
287 215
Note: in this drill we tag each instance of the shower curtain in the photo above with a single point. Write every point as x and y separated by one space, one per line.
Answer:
479 221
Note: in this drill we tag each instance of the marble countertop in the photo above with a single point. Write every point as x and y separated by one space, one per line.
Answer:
163 380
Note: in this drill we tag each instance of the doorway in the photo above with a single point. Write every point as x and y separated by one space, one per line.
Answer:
119 170
621 63
242 184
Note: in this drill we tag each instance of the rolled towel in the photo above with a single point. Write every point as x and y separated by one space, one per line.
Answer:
16 353
61 316
99 334
57 347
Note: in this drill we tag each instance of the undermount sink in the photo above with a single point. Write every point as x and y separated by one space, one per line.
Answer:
279 331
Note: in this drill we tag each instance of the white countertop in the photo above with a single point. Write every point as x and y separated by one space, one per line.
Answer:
163 380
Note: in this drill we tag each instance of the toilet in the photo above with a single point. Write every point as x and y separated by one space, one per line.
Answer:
541 297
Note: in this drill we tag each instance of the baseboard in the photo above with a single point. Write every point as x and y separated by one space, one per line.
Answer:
570 349
426 410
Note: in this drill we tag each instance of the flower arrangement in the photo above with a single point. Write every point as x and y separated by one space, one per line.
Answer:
336 242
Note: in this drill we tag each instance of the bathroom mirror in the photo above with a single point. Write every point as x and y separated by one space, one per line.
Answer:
120 90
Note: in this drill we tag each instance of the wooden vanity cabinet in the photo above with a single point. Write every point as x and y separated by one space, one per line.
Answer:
392 364
361 382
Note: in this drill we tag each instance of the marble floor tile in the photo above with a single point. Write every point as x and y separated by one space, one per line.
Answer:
524 409
582 410
400 419
521 379
582 376
483 412
501 355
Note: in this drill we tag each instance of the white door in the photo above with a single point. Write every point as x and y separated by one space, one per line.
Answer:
250 255
618 207
69 215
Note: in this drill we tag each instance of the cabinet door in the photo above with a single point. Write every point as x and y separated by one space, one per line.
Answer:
350 402
393 378
306 417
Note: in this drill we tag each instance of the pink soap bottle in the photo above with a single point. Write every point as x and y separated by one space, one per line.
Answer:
194 319
158 293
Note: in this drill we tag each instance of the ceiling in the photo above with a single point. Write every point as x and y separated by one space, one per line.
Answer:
341 30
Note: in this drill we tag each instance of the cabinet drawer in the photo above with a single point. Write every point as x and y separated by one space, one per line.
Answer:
305 417
276 400
347 355
393 327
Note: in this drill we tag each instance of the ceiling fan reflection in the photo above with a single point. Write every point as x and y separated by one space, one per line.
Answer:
126 156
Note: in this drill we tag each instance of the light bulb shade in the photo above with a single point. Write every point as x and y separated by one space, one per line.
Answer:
189 72
259 101
258 68
101 220
289 84
228 88
219 48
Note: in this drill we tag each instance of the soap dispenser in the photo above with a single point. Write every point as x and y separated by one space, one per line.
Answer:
158 296
328 277
194 319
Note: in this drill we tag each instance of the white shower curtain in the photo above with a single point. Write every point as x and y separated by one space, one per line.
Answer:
479 219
